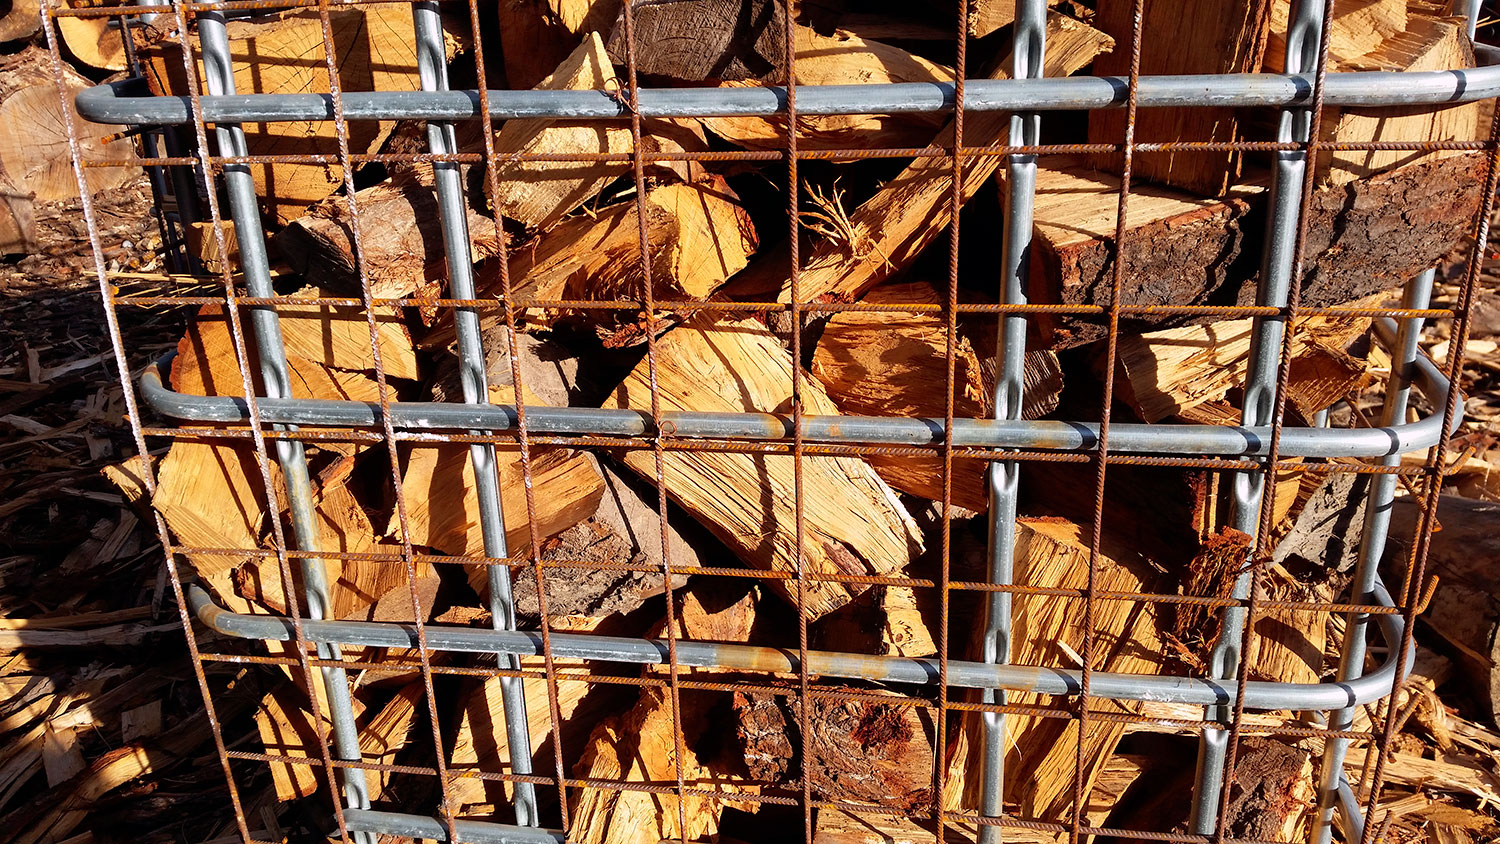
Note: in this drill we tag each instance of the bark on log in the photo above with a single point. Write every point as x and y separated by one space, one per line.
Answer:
852 521
21 19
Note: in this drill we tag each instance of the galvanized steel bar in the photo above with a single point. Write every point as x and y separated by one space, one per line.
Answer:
1126 438
1372 541
115 102
1303 40
240 187
1030 34
432 67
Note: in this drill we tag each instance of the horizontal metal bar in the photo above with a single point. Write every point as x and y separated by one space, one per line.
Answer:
1125 438
922 672
125 103
432 829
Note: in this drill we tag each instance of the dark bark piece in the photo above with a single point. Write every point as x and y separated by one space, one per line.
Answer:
1209 251
862 750
1181 36
694 40
1462 556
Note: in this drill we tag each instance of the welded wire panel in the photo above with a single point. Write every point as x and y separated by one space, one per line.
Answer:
476 701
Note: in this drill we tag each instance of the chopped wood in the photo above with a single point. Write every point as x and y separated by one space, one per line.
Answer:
539 193
335 336
694 40
34 151
1054 553
640 746
400 230
1169 372
862 750
852 522
1381 35
699 236
283 53
1181 37
881 363
21 19
889 230
95 42
841 59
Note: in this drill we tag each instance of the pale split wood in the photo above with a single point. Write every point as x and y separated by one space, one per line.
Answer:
538 193
1048 631
374 48
891 228
852 522
841 59
640 747
989 16
95 42
883 363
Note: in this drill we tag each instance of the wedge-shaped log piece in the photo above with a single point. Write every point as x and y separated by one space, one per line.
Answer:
1174 370
699 236
1181 37
882 363
842 59
890 229
539 193
1382 35
286 729
374 47
640 747
852 522
1048 631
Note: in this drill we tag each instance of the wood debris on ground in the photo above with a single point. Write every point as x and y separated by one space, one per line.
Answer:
103 732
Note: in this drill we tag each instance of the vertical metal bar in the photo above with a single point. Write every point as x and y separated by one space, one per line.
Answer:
432 67
1302 53
1004 475
240 187
1377 522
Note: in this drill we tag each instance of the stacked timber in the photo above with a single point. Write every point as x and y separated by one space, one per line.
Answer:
679 538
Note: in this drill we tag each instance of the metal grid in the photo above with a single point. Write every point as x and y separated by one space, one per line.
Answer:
279 426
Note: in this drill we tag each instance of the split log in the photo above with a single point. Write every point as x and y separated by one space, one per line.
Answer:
21 19
640 747
533 40
890 229
886 621
286 729
580 16
96 42
401 232
862 750
879 363
1461 556
34 154
482 743
694 40
539 193
989 16
842 827
1181 37
699 236
1048 631
1183 250
283 53
852 522
1172 371
1382 35
842 59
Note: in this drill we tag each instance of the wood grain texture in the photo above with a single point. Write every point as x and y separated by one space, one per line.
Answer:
1181 37
891 228
695 40
374 50
842 59
852 521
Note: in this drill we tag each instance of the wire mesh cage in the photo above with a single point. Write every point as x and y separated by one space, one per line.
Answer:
1006 726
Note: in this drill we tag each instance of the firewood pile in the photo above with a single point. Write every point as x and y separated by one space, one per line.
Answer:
712 753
